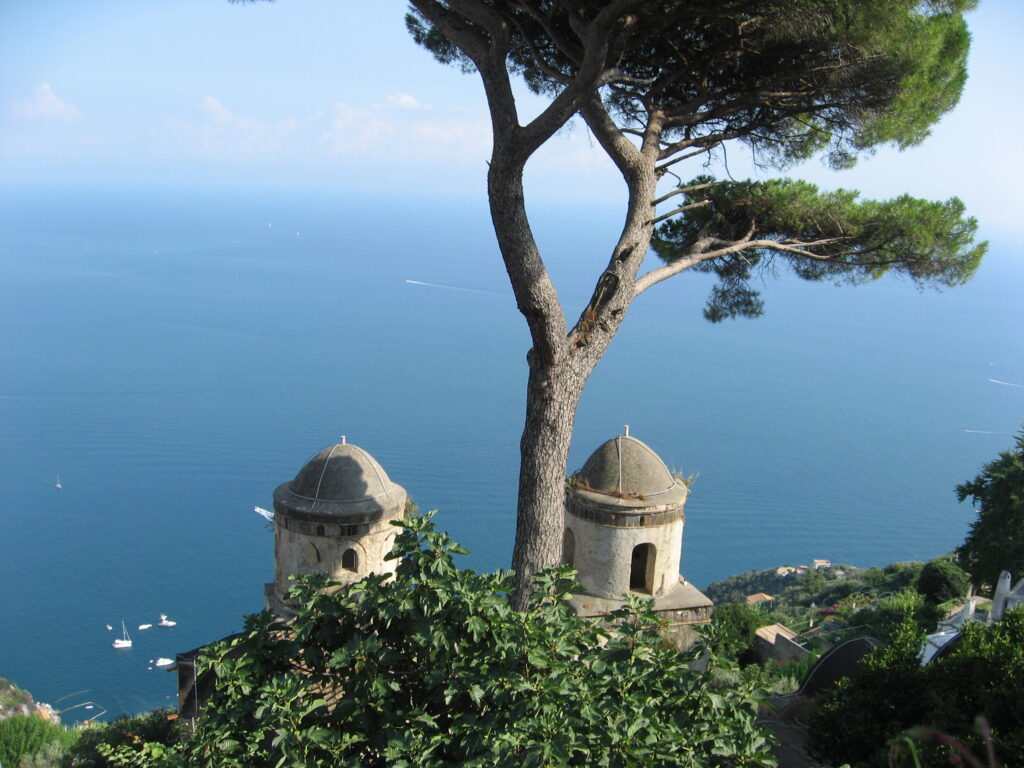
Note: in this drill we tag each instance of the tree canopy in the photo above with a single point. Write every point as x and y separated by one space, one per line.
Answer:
662 84
788 78
749 225
995 541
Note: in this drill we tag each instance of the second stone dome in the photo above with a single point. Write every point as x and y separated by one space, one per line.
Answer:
627 472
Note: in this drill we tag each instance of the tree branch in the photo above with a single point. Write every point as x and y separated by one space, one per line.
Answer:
680 209
697 254
468 40
684 190
591 74
611 138
662 169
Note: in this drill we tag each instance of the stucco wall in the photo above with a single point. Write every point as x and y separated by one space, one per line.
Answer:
298 553
783 649
603 555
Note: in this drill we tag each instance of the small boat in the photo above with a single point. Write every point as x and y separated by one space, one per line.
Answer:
145 626
109 628
57 484
163 662
124 641
165 622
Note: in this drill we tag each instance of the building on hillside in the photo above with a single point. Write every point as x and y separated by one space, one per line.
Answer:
946 634
623 534
623 529
778 642
334 518
759 597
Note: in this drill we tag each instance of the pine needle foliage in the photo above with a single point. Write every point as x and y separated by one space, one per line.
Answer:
818 235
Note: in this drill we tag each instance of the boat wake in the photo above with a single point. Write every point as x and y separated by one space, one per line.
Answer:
456 288
982 432
1007 383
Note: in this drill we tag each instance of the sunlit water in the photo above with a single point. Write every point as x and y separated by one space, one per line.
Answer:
168 359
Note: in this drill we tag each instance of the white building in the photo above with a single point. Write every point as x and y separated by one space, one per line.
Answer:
623 534
334 518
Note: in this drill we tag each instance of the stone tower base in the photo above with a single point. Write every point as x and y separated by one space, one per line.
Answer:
682 608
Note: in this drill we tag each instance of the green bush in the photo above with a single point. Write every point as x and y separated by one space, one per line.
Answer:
891 693
434 668
942 580
23 737
97 741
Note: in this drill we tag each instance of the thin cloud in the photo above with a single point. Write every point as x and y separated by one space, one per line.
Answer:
397 127
44 104
217 111
225 135
404 101
354 129
379 129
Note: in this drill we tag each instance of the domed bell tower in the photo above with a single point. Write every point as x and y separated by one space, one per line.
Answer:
623 534
334 519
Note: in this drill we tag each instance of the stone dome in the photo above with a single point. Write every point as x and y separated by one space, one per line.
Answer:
625 471
342 479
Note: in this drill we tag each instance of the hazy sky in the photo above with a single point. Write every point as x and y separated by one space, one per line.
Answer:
333 93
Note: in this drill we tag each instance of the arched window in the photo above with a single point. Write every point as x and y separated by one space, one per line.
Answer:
641 569
568 547
350 560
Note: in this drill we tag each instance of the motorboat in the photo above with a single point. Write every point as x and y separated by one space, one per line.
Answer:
165 622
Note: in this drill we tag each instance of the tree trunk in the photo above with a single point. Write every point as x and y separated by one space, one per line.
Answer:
551 399
560 361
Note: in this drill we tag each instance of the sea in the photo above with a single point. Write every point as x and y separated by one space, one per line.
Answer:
169 356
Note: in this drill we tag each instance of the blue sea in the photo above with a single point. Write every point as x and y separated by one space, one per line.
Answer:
169 357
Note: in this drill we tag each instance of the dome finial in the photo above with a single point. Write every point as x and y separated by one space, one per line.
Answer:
626 432
342 439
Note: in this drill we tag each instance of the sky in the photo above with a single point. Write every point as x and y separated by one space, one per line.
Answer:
334 94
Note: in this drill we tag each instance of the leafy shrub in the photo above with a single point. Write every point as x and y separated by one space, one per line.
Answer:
23 737
942 580
737 624
882 616
99 741
434 668
982 676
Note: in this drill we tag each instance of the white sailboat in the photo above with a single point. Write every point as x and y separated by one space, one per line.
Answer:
124 641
